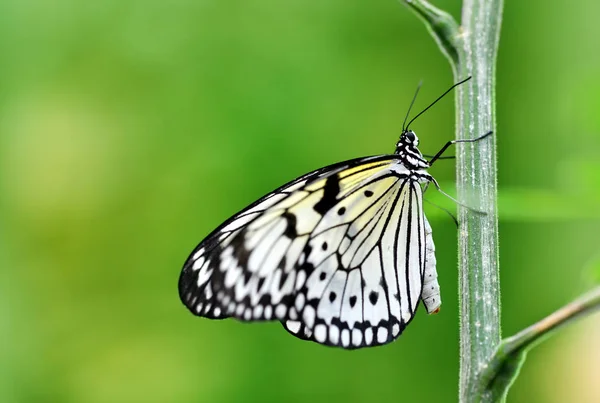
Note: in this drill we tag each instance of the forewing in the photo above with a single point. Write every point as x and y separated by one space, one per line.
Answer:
251 266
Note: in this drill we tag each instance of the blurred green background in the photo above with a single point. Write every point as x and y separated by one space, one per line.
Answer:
130 129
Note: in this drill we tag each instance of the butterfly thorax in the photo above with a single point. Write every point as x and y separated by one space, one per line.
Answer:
408 151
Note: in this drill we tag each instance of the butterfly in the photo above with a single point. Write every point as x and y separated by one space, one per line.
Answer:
341 256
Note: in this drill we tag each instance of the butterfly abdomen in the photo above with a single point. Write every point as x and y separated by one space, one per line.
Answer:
431 288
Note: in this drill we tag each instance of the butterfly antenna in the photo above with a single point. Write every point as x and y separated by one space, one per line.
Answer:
448 157
411 104
434 102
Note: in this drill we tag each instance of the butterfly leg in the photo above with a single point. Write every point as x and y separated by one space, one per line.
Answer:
452 142
437 186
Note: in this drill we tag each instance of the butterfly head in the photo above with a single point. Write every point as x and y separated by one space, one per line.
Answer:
408 150
409 137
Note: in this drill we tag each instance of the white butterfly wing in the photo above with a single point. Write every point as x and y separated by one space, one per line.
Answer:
366 291
338 255
250 233
430 295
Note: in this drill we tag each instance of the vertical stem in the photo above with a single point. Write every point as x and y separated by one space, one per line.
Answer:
479 290
471 50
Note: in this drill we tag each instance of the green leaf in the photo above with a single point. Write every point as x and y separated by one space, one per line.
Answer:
496 388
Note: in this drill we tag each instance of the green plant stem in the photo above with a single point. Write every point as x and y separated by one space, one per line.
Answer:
504 366
479 285
471 49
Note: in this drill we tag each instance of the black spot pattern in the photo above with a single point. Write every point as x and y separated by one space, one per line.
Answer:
373 297
290 229
330 192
